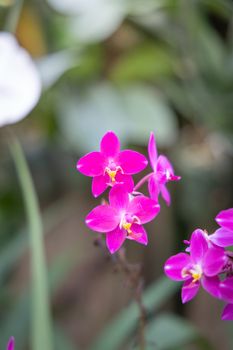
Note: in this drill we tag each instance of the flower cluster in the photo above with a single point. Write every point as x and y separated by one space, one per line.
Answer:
123 216
207 262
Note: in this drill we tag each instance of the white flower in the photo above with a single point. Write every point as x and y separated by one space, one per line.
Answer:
20 85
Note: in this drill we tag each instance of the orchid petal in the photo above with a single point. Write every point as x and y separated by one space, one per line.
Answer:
125 180
103 218
165 194
164 165
174 177
152 151
189 290
144 208
214 261
153 188
225 219
119 198
132 162
226 289
99 185
161 177
115 239
11 344
211 285
138 234
222 237
198 246
227 314
110 145
175 264
92 164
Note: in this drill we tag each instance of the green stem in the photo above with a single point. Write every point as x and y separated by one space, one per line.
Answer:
13 17
142 181
41 318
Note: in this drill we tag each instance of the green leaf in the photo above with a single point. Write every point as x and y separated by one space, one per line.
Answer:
17 321
13 17
125 323
148 61
9 256
168 331
211 51
147 111
53 66
62 342
132 112
11 253
41 318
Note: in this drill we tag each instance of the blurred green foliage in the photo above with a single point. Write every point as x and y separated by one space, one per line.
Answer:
133 66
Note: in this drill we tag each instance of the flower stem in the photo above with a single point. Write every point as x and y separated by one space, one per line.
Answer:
142 310
41 317
142 181
133 273
135 279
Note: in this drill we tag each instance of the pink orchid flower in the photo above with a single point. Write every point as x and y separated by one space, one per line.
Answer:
122 218
162 173
226 290
223 237
11 344
111 166
225 219
200 267
227 314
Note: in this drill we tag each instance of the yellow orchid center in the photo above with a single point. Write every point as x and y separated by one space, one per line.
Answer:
195 273
196 276
112 171
127 226
111 174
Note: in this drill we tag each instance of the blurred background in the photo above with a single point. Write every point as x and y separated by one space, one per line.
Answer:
131 66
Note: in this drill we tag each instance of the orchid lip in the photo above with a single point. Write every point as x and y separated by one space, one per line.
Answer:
112 172
195 272
126 224
134 235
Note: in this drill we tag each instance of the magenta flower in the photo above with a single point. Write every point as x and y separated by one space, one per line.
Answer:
226 290
200 267
111 166
123 218
223 237
11 344
162 173
227 314
225 219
